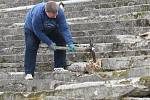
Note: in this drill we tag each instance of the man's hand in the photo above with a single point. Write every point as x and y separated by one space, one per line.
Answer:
71 48
52 46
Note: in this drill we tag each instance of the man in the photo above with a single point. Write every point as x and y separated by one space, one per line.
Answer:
46 22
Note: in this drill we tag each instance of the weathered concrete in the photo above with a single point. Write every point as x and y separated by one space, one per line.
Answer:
109 11
119 74
102 25
99 47
28 86
135 98
115 31
96 5
19 39
99 12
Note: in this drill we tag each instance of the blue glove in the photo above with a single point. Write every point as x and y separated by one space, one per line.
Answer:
71 48
52 46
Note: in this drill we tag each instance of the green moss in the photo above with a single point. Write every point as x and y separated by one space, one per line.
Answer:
136 15
104 76
118 74
145 7
145 81
125 82
3 60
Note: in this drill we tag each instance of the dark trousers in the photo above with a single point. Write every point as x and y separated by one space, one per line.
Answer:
31 47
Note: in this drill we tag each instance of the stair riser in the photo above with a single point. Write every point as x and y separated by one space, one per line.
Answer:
69 7
135 15
119 31
104 11
81 40
102 52
104 25
103 47
107 63
96 5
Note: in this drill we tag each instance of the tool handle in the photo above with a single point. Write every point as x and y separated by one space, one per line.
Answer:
77 48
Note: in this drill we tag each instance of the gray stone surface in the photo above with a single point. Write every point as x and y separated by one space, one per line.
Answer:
93 90
118 31
112 25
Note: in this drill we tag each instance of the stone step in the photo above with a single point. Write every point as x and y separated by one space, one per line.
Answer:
116 31
99 47
61 98
15 41
29 86
136 98
16 3
109 11
97 12
96 91
105 63
113 89
109 24
17 67
124 74
127 16
110 64
47 63
69 7
96 5
59 76
122 17
80 76
101 52
98 25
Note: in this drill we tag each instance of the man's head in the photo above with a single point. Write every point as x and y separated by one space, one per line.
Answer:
51 9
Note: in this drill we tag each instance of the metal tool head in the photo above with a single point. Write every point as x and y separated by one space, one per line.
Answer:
92 51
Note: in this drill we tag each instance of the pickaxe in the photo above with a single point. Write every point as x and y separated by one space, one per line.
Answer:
90 49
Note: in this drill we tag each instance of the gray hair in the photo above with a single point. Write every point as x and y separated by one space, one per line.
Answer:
51 6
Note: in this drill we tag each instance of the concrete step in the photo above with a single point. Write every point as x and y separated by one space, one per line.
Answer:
29 86
105 63
69 7
47 62
99 47
96 5
18 67
72 90
80 76
100 52
136 98
127 16
98 25
124 74
116 31
76 90
122 17
109 11
84 39
109 24
98 12
59 76
19 41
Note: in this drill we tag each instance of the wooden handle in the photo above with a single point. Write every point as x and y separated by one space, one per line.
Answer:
76 48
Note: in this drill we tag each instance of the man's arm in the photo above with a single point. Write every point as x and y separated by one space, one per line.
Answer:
37 28
63 27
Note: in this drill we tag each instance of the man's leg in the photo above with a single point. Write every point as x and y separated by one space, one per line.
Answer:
59 55
31 47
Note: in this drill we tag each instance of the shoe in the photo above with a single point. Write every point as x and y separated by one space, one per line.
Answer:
60 70
28 77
